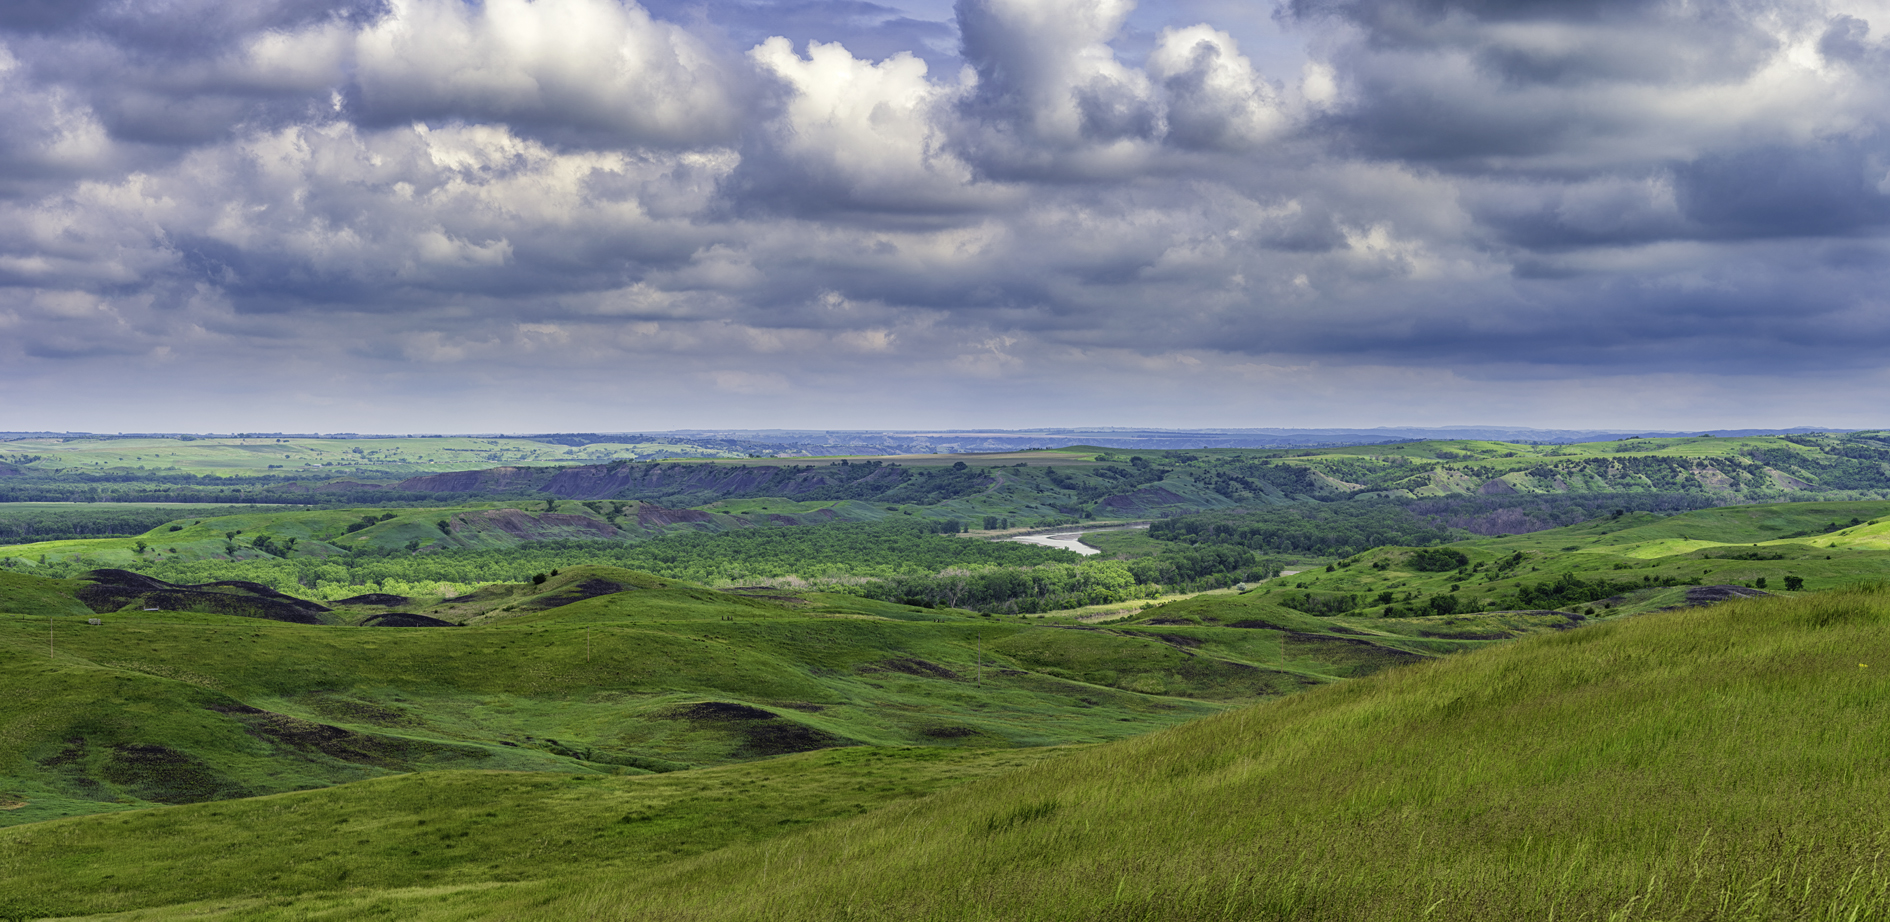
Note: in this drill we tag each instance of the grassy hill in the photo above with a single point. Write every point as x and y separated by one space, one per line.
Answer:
455 829
322 533
594 671
1721 763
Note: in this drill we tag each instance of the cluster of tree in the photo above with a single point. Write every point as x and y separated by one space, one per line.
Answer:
368 521
1323 604
1568 589
1053 587
1436 559
1015 590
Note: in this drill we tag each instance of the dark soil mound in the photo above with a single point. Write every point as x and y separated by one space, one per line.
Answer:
249 587
350 709
721 710
1568 619
127 579
390 752
761 733
164 775
375 598
111 590
73 753
1707 595
1176 640
1353 656
589 589
404 619
1495 633
781 737
1256 624
913 666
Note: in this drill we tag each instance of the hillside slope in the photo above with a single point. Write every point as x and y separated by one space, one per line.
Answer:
1712 764
593 671
1661 766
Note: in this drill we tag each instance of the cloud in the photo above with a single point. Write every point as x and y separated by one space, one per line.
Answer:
1215 97
865 208
856 134
1050 94
566 67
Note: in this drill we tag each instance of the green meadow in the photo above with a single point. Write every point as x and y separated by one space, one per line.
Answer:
594 671
1710 763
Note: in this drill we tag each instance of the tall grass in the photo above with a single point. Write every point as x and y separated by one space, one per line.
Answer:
1726 763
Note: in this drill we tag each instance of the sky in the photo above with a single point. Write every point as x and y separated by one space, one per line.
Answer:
594 215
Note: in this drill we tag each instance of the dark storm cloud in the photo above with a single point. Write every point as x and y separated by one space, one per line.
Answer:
1471 86
1824 188
711 193
175 73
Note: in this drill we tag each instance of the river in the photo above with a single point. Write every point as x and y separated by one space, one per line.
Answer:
1071 540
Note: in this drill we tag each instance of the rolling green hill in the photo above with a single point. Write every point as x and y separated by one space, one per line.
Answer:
1721 763
365 711
234 690
285 532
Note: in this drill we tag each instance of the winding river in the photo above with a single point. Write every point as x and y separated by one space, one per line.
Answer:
1071 540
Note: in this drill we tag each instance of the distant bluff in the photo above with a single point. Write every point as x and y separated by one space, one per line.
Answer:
605 481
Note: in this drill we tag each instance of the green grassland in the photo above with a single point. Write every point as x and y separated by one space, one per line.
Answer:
1540 725
595 671
459 828
1718 763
